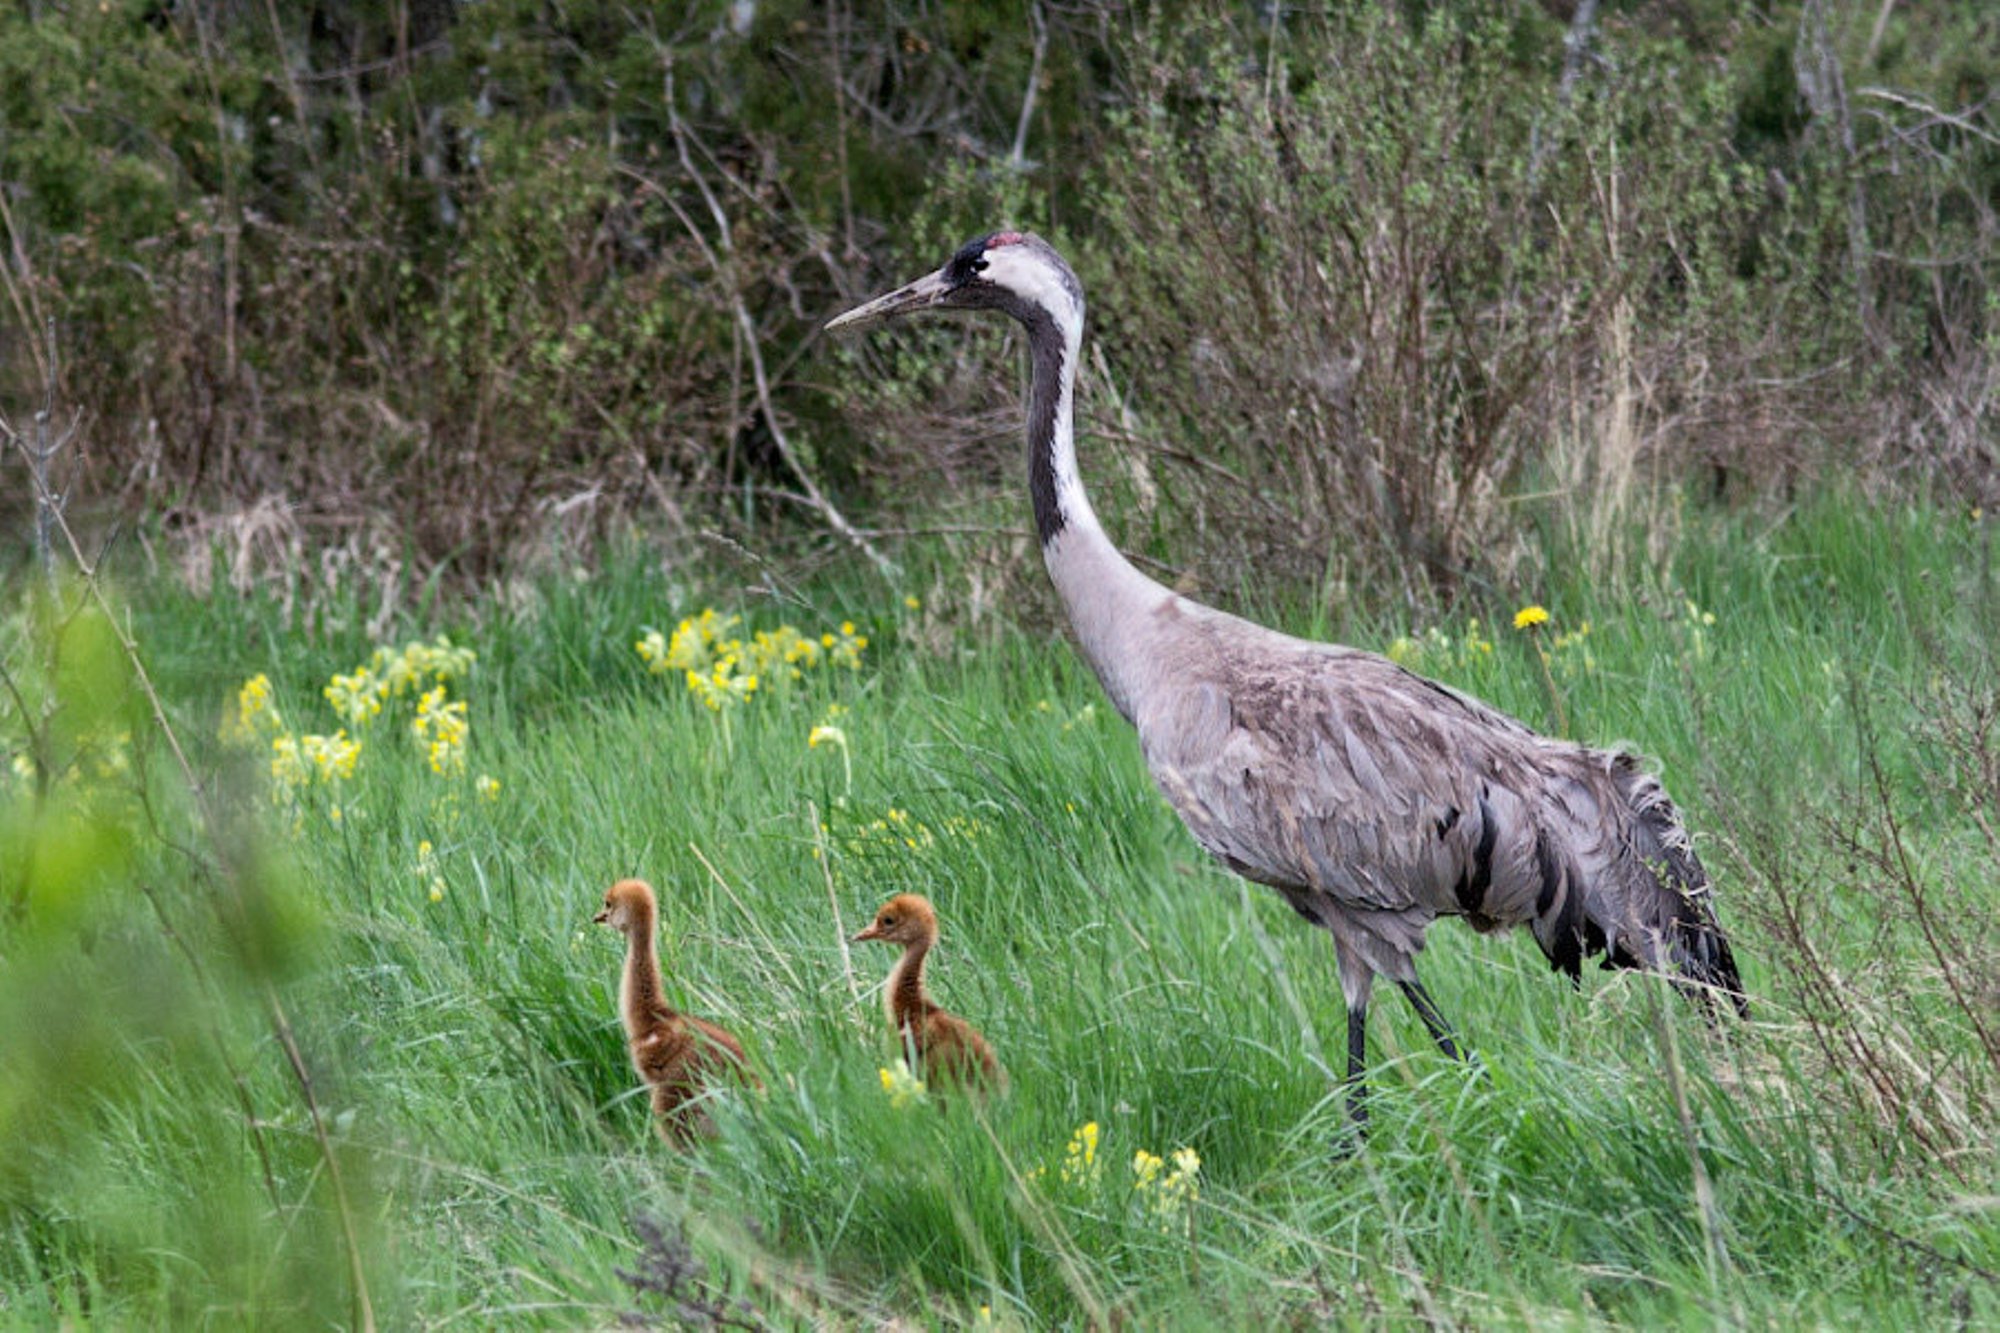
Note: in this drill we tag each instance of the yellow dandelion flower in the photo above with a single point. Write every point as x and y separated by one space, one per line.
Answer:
1529 616
912 603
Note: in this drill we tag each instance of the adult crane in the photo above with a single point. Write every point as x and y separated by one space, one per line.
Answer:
1372 799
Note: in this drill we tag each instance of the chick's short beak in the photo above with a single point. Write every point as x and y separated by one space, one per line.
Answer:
926 292
603 918
871 933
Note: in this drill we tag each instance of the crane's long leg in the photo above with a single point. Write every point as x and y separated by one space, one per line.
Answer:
1357 1066
1426 1007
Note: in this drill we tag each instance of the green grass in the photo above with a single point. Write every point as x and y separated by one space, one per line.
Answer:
468 1059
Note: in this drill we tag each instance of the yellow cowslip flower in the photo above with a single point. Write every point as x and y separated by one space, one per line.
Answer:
441 719
427 869
447 758
904 1088
846 650
722 685
398 670
441 661
394 672
354 697
1167 1193
254 714
1529 616
1179 1187
826 735
1080 1166
653 650
487 786
445 725
698 641
332 757
288 766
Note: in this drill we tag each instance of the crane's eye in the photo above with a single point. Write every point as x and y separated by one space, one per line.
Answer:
979 266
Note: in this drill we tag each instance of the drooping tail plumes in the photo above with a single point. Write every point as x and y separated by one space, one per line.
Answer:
1678 910
1642 900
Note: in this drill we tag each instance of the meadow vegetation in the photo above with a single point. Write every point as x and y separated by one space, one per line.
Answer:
1819 693
434 504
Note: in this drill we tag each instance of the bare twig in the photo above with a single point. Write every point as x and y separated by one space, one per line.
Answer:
1957 120
1576 48
723 263
47 441
1017 159
1824 87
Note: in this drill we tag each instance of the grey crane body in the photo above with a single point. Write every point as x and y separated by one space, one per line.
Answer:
1372 799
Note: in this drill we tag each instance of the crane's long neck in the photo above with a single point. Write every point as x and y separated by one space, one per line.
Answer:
1107 599
641 999
906 999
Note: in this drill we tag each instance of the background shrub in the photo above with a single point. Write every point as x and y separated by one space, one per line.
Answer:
430 287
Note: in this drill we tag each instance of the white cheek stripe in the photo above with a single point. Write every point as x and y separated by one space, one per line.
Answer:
1019 271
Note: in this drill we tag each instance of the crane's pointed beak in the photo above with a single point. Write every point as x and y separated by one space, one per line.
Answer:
923 294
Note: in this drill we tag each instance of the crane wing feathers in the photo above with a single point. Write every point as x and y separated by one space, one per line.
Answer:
1375 800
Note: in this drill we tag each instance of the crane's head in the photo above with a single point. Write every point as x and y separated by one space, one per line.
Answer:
628 906
906 918
1016 272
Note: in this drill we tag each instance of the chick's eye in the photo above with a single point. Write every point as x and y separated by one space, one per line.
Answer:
979 266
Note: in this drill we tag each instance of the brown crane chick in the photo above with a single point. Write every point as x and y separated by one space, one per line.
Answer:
675 1054
949 1050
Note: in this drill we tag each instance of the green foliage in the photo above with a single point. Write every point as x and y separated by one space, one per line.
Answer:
156 1170
469 281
